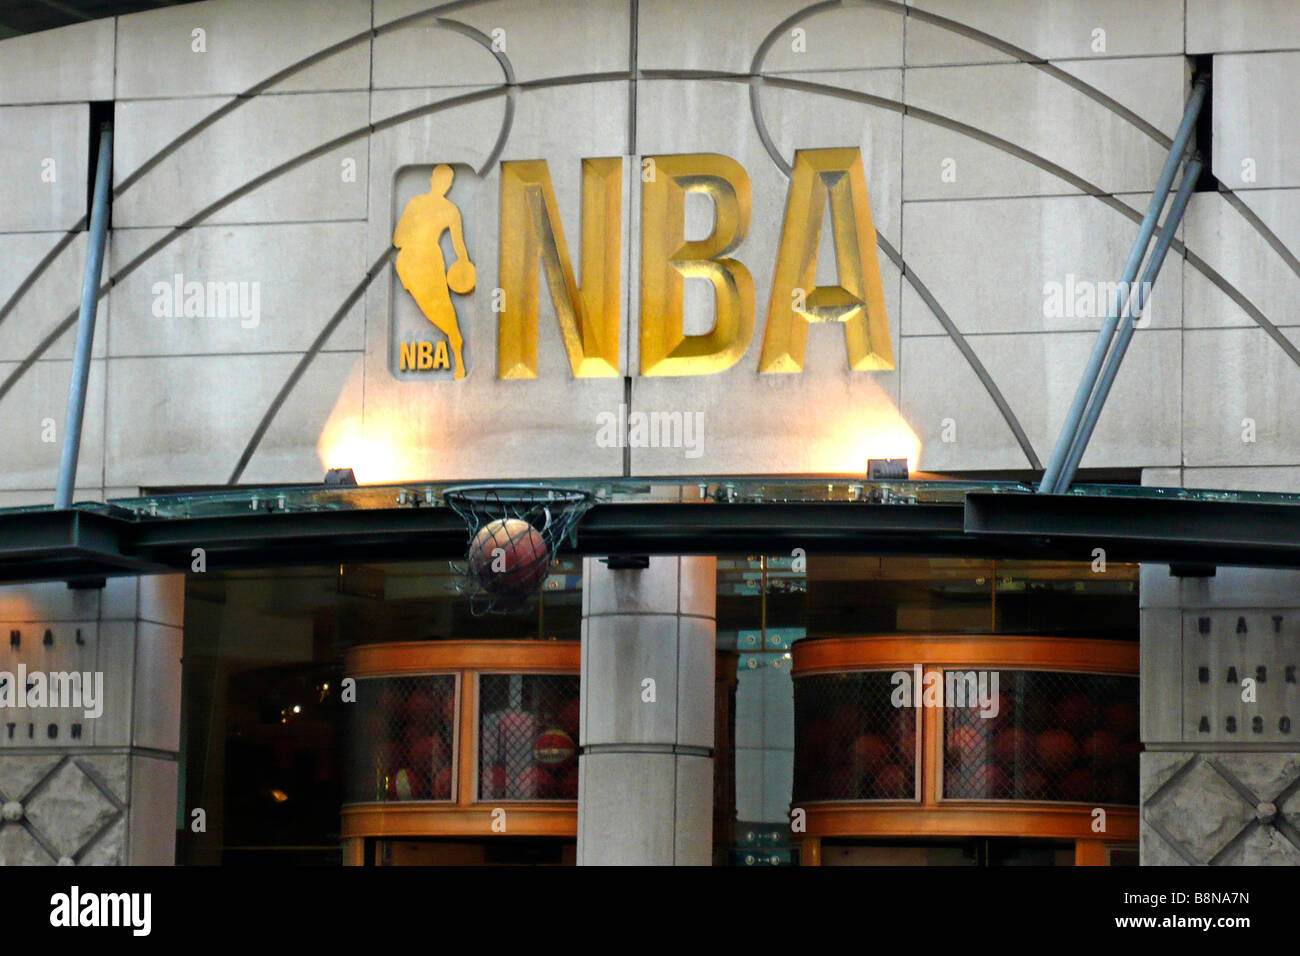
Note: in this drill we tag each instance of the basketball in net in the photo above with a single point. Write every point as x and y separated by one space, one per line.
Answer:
509 555
515 531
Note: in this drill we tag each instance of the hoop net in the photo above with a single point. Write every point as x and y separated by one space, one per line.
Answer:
515 531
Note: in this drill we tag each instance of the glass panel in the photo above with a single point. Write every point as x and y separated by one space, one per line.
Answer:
300 498
401 739
851 743
1056 736
528 725
1067 599
864 595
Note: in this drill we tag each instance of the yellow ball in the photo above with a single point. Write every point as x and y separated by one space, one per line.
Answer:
460 277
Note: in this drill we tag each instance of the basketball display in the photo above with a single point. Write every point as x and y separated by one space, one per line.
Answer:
566 787
1101 747
1014 743
869 752
531 783
405 785
966 740
507 555
421 706
568 717
553 747
494 781
1122 717
1076 712
1057 750
442 783
891 783
429 751
991 781
461 276
1076 785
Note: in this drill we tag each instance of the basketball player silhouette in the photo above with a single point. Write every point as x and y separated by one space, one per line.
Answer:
420 264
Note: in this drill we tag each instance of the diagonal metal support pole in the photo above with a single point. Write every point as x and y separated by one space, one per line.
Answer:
86 322
1132 315
1106 335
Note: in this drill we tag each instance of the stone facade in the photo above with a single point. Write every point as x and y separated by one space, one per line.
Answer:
1009 147
93 790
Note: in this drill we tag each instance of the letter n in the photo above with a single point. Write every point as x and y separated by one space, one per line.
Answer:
531 232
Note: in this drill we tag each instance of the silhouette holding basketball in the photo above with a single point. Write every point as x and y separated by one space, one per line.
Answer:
420 263
509 555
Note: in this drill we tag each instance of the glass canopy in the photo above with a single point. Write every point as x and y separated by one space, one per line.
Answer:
751 490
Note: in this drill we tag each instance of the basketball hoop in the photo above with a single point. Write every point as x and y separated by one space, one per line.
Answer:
515 531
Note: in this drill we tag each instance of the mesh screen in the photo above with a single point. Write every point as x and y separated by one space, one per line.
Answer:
401 739
528 732
851 743
1056 736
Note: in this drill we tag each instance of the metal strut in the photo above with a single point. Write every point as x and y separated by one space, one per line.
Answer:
86 322
1132 316
1057 467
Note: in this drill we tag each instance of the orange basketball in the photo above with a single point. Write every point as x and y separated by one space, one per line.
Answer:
1122 717
553 747
891 782
1013 743
566 788
569 716
1101 747
1076 785
508 555
869 752
1076 713
531 783
1057 749
460 276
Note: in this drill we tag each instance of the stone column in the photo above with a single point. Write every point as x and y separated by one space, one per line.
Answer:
645 792
1220 717
98 789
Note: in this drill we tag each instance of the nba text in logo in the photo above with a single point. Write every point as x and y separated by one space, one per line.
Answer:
534 250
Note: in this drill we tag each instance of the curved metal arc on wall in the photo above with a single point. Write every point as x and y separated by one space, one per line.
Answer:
945 23
482 95
306 359
1024 56
941 314
239 99
239 192
431 13
1045 164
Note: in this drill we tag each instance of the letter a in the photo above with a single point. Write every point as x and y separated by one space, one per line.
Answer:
858 302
